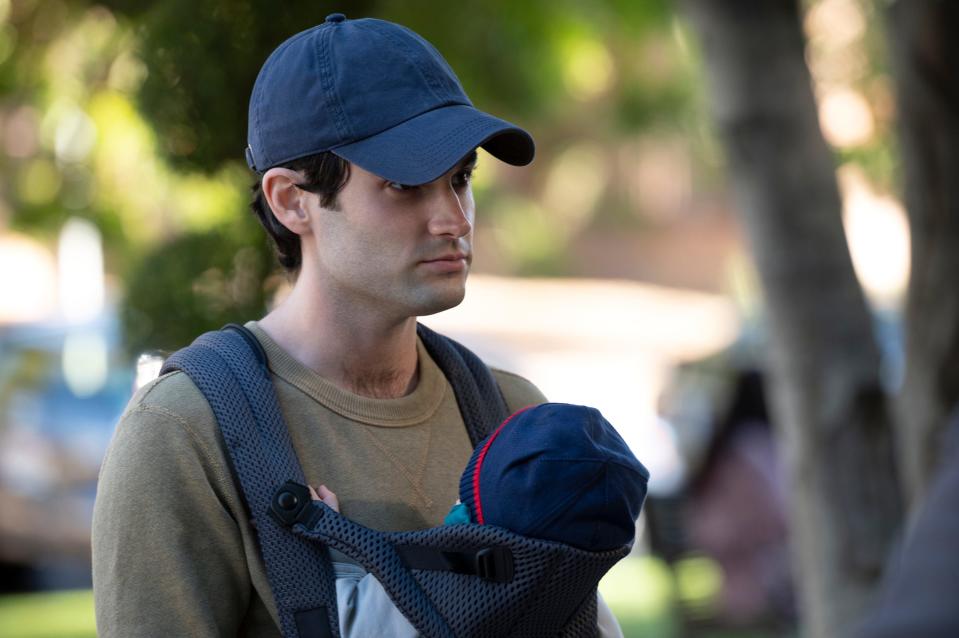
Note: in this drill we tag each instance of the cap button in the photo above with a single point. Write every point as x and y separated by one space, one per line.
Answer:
335 17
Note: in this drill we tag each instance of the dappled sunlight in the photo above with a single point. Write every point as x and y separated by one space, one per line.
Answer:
639 589
846 118
80 271
31 295
207 202
75 136
38 182
21 133
574 185
588 68
878 235
85 364
525 235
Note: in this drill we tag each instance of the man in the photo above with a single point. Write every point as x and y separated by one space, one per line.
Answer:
365 143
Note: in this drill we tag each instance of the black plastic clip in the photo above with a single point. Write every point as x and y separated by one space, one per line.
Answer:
495 564
291 504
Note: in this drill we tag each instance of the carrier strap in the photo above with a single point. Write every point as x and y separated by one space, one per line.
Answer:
230 368
478 396
240 392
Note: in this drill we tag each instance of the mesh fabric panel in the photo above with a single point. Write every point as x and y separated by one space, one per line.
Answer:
553 591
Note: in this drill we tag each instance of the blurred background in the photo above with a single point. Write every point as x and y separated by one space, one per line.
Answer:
712 247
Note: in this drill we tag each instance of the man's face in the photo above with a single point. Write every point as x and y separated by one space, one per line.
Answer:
399 250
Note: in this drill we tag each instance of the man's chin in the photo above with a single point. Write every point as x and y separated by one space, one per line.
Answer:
442 300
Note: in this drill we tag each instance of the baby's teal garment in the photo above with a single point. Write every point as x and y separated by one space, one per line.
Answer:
459 515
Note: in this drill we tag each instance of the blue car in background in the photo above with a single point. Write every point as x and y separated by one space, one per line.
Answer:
62 389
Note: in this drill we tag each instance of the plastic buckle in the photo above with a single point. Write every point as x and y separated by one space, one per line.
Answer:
495 564
291 505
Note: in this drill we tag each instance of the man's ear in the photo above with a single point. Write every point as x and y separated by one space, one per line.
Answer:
288 203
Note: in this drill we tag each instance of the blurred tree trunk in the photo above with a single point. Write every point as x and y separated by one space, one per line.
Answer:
833 418
925 56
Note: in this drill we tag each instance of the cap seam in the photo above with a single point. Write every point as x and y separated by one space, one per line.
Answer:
558 508
325 62
265 162
434 89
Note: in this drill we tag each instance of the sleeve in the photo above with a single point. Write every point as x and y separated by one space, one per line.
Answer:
364 607
168 557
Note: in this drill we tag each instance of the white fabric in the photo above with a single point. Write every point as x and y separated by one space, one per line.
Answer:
366 610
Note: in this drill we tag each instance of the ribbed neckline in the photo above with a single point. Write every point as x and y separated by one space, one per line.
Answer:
414 408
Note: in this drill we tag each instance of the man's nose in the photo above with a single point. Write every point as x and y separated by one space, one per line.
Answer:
450 214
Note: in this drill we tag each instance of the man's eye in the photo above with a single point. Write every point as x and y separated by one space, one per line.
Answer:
462 178
400 187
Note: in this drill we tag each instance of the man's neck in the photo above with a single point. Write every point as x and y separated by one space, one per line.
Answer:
356 351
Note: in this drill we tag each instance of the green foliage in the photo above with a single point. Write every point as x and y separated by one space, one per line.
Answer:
203 57
194 283
67 614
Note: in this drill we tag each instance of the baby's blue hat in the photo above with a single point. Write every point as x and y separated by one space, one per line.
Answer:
558 472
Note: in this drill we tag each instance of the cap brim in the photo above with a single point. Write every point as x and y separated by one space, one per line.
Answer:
423 148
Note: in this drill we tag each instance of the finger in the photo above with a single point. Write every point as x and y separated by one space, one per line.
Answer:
329 497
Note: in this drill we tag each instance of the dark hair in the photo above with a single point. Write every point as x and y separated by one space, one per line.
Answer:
325 174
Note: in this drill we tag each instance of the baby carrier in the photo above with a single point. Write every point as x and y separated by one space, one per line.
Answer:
450 581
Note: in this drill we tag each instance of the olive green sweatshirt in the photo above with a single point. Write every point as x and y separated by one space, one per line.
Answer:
173 553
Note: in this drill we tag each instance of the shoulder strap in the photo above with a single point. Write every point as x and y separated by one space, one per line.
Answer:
232 374
478 396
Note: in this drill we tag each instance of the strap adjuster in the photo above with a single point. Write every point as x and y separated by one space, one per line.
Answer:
489 563
495 564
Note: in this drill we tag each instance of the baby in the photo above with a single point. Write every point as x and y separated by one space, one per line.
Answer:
555 471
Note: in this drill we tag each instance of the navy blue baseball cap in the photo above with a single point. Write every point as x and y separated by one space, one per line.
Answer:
558 472
376 94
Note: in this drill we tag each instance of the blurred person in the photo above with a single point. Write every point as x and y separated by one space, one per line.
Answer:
510 481
738 511
364 143
918 593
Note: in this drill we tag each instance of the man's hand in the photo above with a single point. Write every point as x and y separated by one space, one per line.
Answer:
325 495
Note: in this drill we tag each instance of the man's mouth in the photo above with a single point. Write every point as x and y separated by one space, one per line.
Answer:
450 257
450 262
